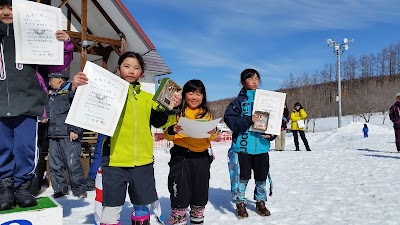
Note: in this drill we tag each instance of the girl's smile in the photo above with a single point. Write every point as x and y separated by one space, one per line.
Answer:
194 99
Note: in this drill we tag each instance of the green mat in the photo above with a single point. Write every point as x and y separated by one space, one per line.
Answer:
43 203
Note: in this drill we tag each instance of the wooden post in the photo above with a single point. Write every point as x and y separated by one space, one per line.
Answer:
83 32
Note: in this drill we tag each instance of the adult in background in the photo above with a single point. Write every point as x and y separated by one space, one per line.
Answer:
394 116
280 140
298 117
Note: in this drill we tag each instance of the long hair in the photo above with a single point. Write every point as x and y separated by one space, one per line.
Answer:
190 86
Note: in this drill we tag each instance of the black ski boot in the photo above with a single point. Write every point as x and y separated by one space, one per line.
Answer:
23 197
7 198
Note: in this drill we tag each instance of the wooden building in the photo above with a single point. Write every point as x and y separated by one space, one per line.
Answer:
101 30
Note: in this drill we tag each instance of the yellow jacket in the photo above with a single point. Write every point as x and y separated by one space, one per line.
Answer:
193 144
296 116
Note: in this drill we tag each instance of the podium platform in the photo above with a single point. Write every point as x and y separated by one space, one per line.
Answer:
47 212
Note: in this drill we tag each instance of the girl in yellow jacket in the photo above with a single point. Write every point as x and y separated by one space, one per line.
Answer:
189 175
298 116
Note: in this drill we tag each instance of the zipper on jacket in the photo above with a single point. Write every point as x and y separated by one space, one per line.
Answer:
135 131
4 70
136 134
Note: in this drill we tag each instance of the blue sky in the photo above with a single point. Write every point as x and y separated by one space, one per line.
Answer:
214 41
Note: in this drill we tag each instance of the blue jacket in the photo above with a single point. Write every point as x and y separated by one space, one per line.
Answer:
238 118
365 129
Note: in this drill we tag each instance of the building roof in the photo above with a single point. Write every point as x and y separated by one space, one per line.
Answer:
111 19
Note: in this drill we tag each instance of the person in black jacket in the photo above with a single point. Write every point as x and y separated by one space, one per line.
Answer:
23 101
64 140
394 115
280 140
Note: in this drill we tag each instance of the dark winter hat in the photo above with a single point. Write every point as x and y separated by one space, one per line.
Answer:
62 74
297 104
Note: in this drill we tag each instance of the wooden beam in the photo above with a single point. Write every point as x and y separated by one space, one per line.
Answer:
79 21
119 53
75 14
84 32
76 44
89 37
91 46
107 17
62 3
123 45
95 50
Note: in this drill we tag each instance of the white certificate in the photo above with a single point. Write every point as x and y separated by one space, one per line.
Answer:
35 27
97 105
196 128
273 103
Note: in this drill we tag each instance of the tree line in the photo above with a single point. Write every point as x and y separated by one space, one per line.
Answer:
368 86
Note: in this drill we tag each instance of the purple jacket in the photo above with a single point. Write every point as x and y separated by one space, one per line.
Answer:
394 115
22 89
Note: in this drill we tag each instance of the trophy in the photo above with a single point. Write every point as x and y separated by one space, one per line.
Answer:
262 122
165 93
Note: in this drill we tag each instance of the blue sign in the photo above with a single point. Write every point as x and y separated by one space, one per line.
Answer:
17 222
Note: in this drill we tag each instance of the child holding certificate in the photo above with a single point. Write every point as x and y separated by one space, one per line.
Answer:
249 150
128 155
23 100
189 174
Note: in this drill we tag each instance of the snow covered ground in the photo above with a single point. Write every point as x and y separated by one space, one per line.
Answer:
345 179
